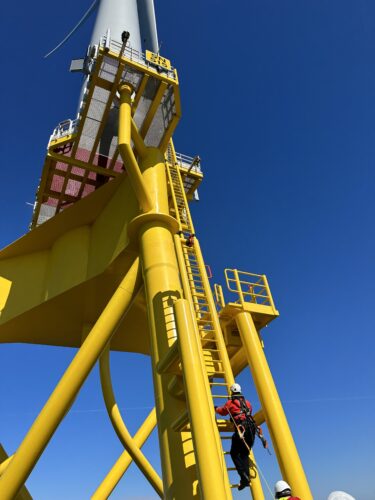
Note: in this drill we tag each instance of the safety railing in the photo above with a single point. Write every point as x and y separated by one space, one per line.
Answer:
134 55
249 287
63 129
189 163
219 296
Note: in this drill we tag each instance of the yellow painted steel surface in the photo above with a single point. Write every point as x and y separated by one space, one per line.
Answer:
126 258
65 392
23 493
282 440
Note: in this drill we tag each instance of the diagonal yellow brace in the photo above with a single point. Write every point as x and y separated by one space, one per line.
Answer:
121 429
126 152
23 493
123 462
138 141
71 382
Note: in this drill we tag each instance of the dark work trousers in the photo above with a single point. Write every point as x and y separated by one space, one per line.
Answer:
240 453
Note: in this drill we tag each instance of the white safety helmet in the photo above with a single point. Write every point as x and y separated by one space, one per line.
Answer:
282 486
340 495
235 388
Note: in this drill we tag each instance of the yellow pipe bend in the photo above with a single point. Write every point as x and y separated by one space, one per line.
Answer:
126 151
121 429
123 462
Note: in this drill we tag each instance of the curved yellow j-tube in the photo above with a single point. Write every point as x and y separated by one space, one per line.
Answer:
121 429
126 152
67 389
121 465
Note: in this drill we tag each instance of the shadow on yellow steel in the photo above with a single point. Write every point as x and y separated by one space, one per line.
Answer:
56 279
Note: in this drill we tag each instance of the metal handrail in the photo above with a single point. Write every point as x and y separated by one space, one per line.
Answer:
64 128
133 55
257 290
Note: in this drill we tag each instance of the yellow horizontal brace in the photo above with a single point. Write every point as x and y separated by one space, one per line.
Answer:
180 421
121 429
124 461
172 356
259 417
126 152
81 164
69 385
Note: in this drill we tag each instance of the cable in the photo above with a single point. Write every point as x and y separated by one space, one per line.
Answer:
80 22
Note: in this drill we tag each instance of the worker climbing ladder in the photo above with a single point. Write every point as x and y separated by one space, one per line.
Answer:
197 289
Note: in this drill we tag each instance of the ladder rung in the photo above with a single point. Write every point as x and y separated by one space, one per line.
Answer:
211 350
231 468
218 383
221 397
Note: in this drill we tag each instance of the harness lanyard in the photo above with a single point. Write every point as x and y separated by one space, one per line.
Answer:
258 430
239 432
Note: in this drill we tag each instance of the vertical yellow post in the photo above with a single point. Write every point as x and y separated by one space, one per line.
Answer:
211 467
66 390
163 288
282 439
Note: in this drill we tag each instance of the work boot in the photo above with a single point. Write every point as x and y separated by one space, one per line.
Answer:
245 481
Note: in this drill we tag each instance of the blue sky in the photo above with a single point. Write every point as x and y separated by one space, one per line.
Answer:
278 100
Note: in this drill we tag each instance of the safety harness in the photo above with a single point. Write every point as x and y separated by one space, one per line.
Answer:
249 422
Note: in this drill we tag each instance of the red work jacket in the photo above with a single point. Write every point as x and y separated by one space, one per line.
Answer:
233 407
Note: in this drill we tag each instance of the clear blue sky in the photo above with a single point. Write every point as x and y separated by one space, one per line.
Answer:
279 101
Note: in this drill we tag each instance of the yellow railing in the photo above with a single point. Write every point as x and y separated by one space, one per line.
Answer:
219 296
249 287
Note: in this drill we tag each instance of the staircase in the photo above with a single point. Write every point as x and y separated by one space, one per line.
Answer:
198 292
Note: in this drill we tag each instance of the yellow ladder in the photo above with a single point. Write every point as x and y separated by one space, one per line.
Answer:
216 360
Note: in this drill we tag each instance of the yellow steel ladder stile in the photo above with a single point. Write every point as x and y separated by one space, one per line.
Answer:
216 360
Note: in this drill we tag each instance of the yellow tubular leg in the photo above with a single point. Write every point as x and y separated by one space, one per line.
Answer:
121 429
120 467
282 439
23 494
66 390
126 152
210 468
